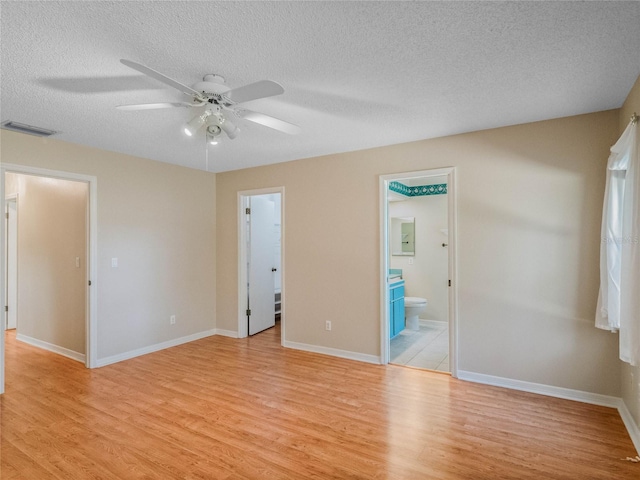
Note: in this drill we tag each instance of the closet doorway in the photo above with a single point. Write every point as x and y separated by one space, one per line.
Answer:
260 265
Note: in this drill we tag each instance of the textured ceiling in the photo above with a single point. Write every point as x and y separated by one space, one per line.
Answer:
356 74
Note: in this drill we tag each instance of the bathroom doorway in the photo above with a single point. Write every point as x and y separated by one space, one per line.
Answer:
260 265
418 309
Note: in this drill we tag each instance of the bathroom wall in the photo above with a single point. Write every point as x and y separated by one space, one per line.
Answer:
426 273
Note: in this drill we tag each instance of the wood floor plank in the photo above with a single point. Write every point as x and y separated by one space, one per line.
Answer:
228 409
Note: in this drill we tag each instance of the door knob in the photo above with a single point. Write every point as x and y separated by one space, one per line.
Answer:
274 269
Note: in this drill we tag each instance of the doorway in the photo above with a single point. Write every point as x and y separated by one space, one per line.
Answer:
84 263
260 261
419 270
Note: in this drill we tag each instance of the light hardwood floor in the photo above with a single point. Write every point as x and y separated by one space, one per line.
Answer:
222 408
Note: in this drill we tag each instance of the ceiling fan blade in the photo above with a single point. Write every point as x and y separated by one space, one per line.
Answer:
253 91
160 77
153 106
268 121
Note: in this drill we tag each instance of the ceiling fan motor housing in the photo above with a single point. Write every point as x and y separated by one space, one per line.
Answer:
211 85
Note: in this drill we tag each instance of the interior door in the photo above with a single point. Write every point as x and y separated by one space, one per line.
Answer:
11 274
261 273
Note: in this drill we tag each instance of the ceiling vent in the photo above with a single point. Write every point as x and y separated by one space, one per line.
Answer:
28 129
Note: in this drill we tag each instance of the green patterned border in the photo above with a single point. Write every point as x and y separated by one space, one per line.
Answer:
418 191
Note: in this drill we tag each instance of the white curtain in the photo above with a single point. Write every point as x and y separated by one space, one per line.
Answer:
619 299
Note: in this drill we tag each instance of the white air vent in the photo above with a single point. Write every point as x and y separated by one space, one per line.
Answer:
28 129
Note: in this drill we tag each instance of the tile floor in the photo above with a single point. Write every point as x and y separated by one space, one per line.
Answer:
425 348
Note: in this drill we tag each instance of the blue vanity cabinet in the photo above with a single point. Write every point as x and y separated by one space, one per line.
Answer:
396 308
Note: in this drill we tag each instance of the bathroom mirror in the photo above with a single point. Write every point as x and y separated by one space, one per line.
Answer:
403 239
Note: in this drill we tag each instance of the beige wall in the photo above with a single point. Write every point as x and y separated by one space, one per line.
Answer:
52 232
159 221
529 210
631 375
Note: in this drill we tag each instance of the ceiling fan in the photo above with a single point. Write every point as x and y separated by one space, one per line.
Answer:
221 104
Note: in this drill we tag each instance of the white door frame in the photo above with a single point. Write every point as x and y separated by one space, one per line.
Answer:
91 315
243 197
450 172
13 197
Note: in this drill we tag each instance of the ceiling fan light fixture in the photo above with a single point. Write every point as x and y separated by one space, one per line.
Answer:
212 133
195 123
230 129
218 100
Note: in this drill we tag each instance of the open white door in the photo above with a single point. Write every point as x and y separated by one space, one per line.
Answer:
261 273
11 274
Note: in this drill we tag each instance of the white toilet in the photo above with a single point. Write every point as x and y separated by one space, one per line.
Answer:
413 307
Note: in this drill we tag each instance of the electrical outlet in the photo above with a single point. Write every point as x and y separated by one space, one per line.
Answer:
410 260
327 325
172 319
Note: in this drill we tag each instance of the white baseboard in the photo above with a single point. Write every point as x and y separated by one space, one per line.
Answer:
153 348
226 333
424 321
65 352
551 391
629 422
360 357
334 352
560 392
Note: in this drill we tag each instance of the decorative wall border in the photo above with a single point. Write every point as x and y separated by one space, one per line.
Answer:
419 190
